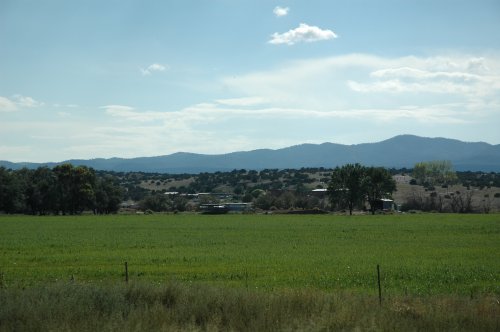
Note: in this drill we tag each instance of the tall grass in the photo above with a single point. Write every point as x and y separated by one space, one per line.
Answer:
176 306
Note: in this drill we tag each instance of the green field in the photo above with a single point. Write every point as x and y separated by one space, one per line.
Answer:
425 254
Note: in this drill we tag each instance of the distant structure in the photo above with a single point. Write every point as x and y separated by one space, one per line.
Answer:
225 208
384 204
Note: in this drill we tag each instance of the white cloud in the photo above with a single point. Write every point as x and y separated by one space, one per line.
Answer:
117 109
335 82
65 105
7 105
281 11
152 68
398 86
434 75
24 101
130 113
303 33
244 101
18 101
415 73
350 99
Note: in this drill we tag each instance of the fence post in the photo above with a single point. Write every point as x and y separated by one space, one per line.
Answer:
379 287
246 278
126 272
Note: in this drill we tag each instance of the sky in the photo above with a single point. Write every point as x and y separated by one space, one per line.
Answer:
129 78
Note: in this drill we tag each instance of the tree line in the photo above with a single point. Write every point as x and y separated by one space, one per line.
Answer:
68 189
64 189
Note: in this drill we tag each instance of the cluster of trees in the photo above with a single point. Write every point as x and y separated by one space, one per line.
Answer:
353 185
65 189
479 179
243 180
431 173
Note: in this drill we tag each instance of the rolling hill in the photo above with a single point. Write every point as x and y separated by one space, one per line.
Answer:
398 152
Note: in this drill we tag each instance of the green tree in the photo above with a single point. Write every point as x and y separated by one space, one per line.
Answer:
436 172
420 172
75 188
265 201
10 192
108 195
156 202
346 186
25 186
378 183
179 203
43 197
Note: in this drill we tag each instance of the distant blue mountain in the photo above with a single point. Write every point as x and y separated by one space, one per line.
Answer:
398 152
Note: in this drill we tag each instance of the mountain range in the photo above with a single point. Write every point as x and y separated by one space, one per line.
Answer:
397 152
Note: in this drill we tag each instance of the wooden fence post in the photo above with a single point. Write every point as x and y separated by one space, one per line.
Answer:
126 272
379 287
246 278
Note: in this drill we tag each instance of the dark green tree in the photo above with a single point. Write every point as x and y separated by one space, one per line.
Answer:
378 184
43 191
63 174
10 192
75 188
83 195
347 186
108 195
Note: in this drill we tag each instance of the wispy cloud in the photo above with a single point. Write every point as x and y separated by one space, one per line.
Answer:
303 33
24 101
468 77
281 11
155 67
130 113
7 105
244 101
17 102
351 98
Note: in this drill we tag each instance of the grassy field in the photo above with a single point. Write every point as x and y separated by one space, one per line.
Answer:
418 254
250 273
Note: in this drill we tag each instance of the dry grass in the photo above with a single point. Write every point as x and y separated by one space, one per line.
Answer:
174 306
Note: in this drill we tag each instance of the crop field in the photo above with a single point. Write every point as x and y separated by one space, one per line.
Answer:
420 254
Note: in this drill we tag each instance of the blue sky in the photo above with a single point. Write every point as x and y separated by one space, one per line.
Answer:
88 79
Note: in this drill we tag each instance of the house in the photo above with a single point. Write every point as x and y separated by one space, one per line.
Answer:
320 192
224 208
383 204
213 209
